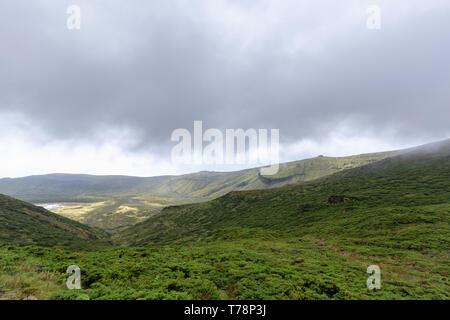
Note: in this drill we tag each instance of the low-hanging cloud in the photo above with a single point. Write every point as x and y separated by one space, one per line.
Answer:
152 67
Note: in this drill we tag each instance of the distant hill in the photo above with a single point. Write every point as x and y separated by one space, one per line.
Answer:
22 223
122 201
190 187
370 203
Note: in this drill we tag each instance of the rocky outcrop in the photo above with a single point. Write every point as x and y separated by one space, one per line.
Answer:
339 199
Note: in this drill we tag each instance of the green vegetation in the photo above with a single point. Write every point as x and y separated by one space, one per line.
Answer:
313 240
149 195
112 215
407 191
260 267
22 223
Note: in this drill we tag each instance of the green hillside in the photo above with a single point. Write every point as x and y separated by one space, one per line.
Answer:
314 240
196 186
22 223
403 187
122 201
209 185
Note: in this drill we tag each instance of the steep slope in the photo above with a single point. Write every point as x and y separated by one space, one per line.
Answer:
22 223
409 193
209 185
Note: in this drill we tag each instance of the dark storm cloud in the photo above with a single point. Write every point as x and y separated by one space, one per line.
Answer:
157 67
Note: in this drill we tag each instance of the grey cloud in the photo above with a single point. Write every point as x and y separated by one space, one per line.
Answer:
154 67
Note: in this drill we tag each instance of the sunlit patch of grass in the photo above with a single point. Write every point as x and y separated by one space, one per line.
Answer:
78 211
27 280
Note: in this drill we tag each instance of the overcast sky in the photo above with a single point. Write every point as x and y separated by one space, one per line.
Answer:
105 99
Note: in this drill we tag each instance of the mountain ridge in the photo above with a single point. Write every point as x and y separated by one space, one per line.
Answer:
419 177
115 202
87 185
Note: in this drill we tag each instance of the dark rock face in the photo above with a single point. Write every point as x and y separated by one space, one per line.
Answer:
274 181
92 237
338 199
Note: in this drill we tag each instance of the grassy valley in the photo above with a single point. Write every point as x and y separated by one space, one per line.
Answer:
110 215
313 240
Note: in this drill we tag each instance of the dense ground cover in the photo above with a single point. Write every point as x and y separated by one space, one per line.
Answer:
260 267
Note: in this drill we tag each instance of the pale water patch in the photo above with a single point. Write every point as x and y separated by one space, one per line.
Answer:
50 206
